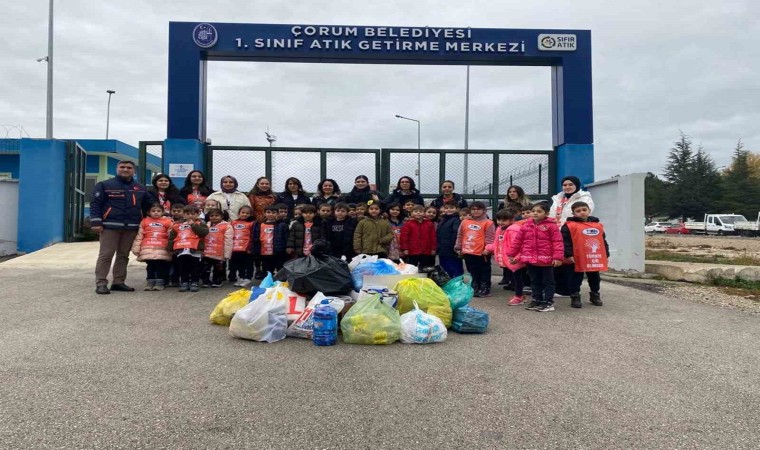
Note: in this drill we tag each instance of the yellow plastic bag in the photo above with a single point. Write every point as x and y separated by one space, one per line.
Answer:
225 309
372 322
429 296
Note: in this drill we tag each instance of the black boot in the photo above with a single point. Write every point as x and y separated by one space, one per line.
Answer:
476 287
503 280
596 299
575 300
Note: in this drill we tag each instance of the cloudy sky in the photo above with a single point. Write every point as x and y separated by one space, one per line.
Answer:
659 67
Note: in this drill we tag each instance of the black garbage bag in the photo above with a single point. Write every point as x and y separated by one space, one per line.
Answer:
324 273
438 274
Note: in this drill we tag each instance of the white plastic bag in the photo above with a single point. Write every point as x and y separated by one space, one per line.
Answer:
406 269
358 259
419 327
303 326
264 319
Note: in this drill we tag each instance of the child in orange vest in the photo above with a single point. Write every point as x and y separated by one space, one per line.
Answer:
217 246
150 246
475 233
241 262
505 234
186 240
586 247
270 240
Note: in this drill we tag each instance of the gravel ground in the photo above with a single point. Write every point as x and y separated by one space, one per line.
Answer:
731 246
715 296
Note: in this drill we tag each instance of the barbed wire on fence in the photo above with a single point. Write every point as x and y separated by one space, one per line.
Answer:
531 168
12 128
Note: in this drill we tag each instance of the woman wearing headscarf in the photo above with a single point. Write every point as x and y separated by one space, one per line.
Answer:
563 201
196 190
362 192
405 191
229 197
293 195
448 196
328 192
164 192
260 197
560 210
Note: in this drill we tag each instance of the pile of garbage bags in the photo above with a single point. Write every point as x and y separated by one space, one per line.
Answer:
418 309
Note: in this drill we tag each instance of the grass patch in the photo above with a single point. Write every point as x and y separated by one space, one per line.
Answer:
663 255
737 286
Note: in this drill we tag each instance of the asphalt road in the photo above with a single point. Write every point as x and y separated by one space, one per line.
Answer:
147 370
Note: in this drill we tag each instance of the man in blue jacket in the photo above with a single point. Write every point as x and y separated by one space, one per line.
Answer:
115 213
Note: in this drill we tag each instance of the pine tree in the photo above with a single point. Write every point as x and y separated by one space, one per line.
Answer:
704 183
741 190
680 201
655 193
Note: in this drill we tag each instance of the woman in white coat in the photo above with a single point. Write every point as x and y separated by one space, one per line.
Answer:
560 210
229 197
571 193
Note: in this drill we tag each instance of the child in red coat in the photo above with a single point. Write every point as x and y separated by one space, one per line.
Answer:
539 244
418 241
505 233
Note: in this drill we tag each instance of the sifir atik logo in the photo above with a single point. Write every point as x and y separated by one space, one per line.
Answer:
205 35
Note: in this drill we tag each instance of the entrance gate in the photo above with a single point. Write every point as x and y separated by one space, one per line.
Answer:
76 166
488 172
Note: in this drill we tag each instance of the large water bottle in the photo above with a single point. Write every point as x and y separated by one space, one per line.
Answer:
325 324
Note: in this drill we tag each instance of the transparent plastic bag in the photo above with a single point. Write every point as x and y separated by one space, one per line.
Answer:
358 259
371 268
459 292
418 327
428 295
372 322
266 318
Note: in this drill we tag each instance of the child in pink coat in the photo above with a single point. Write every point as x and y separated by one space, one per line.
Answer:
539 244
506 232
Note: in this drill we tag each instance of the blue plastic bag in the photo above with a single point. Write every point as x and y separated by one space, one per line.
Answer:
267 282
459 292
469 320
371 268
255 292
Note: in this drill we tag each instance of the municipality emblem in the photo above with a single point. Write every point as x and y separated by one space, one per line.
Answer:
205 35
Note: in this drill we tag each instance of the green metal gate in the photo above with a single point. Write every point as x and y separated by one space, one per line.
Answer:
74 203
145 147
309 165
481 175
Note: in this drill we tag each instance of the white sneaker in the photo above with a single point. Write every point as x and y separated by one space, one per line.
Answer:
560 296
244 282
237 283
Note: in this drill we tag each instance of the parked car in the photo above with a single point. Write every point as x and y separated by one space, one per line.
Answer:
678 228
656 227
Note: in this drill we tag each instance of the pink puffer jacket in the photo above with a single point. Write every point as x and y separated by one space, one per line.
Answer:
538 244
501 245
145 253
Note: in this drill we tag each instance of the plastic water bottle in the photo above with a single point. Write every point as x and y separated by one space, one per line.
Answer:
325 324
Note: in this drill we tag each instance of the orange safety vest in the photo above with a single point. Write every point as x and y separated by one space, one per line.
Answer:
196 198
474 236
588 246
214 243
155 232
241 238
266 236
186 237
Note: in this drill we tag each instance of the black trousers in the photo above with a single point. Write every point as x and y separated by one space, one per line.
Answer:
273 263
420 260
173 275
594 281
158 269
542 284
563 279
241 266
216 268
516 279
189 268
479 267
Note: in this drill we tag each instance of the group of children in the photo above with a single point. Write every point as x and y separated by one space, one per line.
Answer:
188 252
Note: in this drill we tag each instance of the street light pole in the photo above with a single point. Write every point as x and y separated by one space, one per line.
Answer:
419 173
49 114
108 111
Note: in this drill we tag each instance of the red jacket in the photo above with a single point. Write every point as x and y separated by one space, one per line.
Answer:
418 238
538 244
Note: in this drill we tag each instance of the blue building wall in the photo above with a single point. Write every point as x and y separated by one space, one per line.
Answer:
93 163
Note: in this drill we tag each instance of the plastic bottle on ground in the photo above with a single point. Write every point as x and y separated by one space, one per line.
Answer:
325 324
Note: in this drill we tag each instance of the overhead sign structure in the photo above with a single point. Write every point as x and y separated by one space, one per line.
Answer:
567 52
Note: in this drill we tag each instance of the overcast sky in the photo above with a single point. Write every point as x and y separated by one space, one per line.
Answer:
659 67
